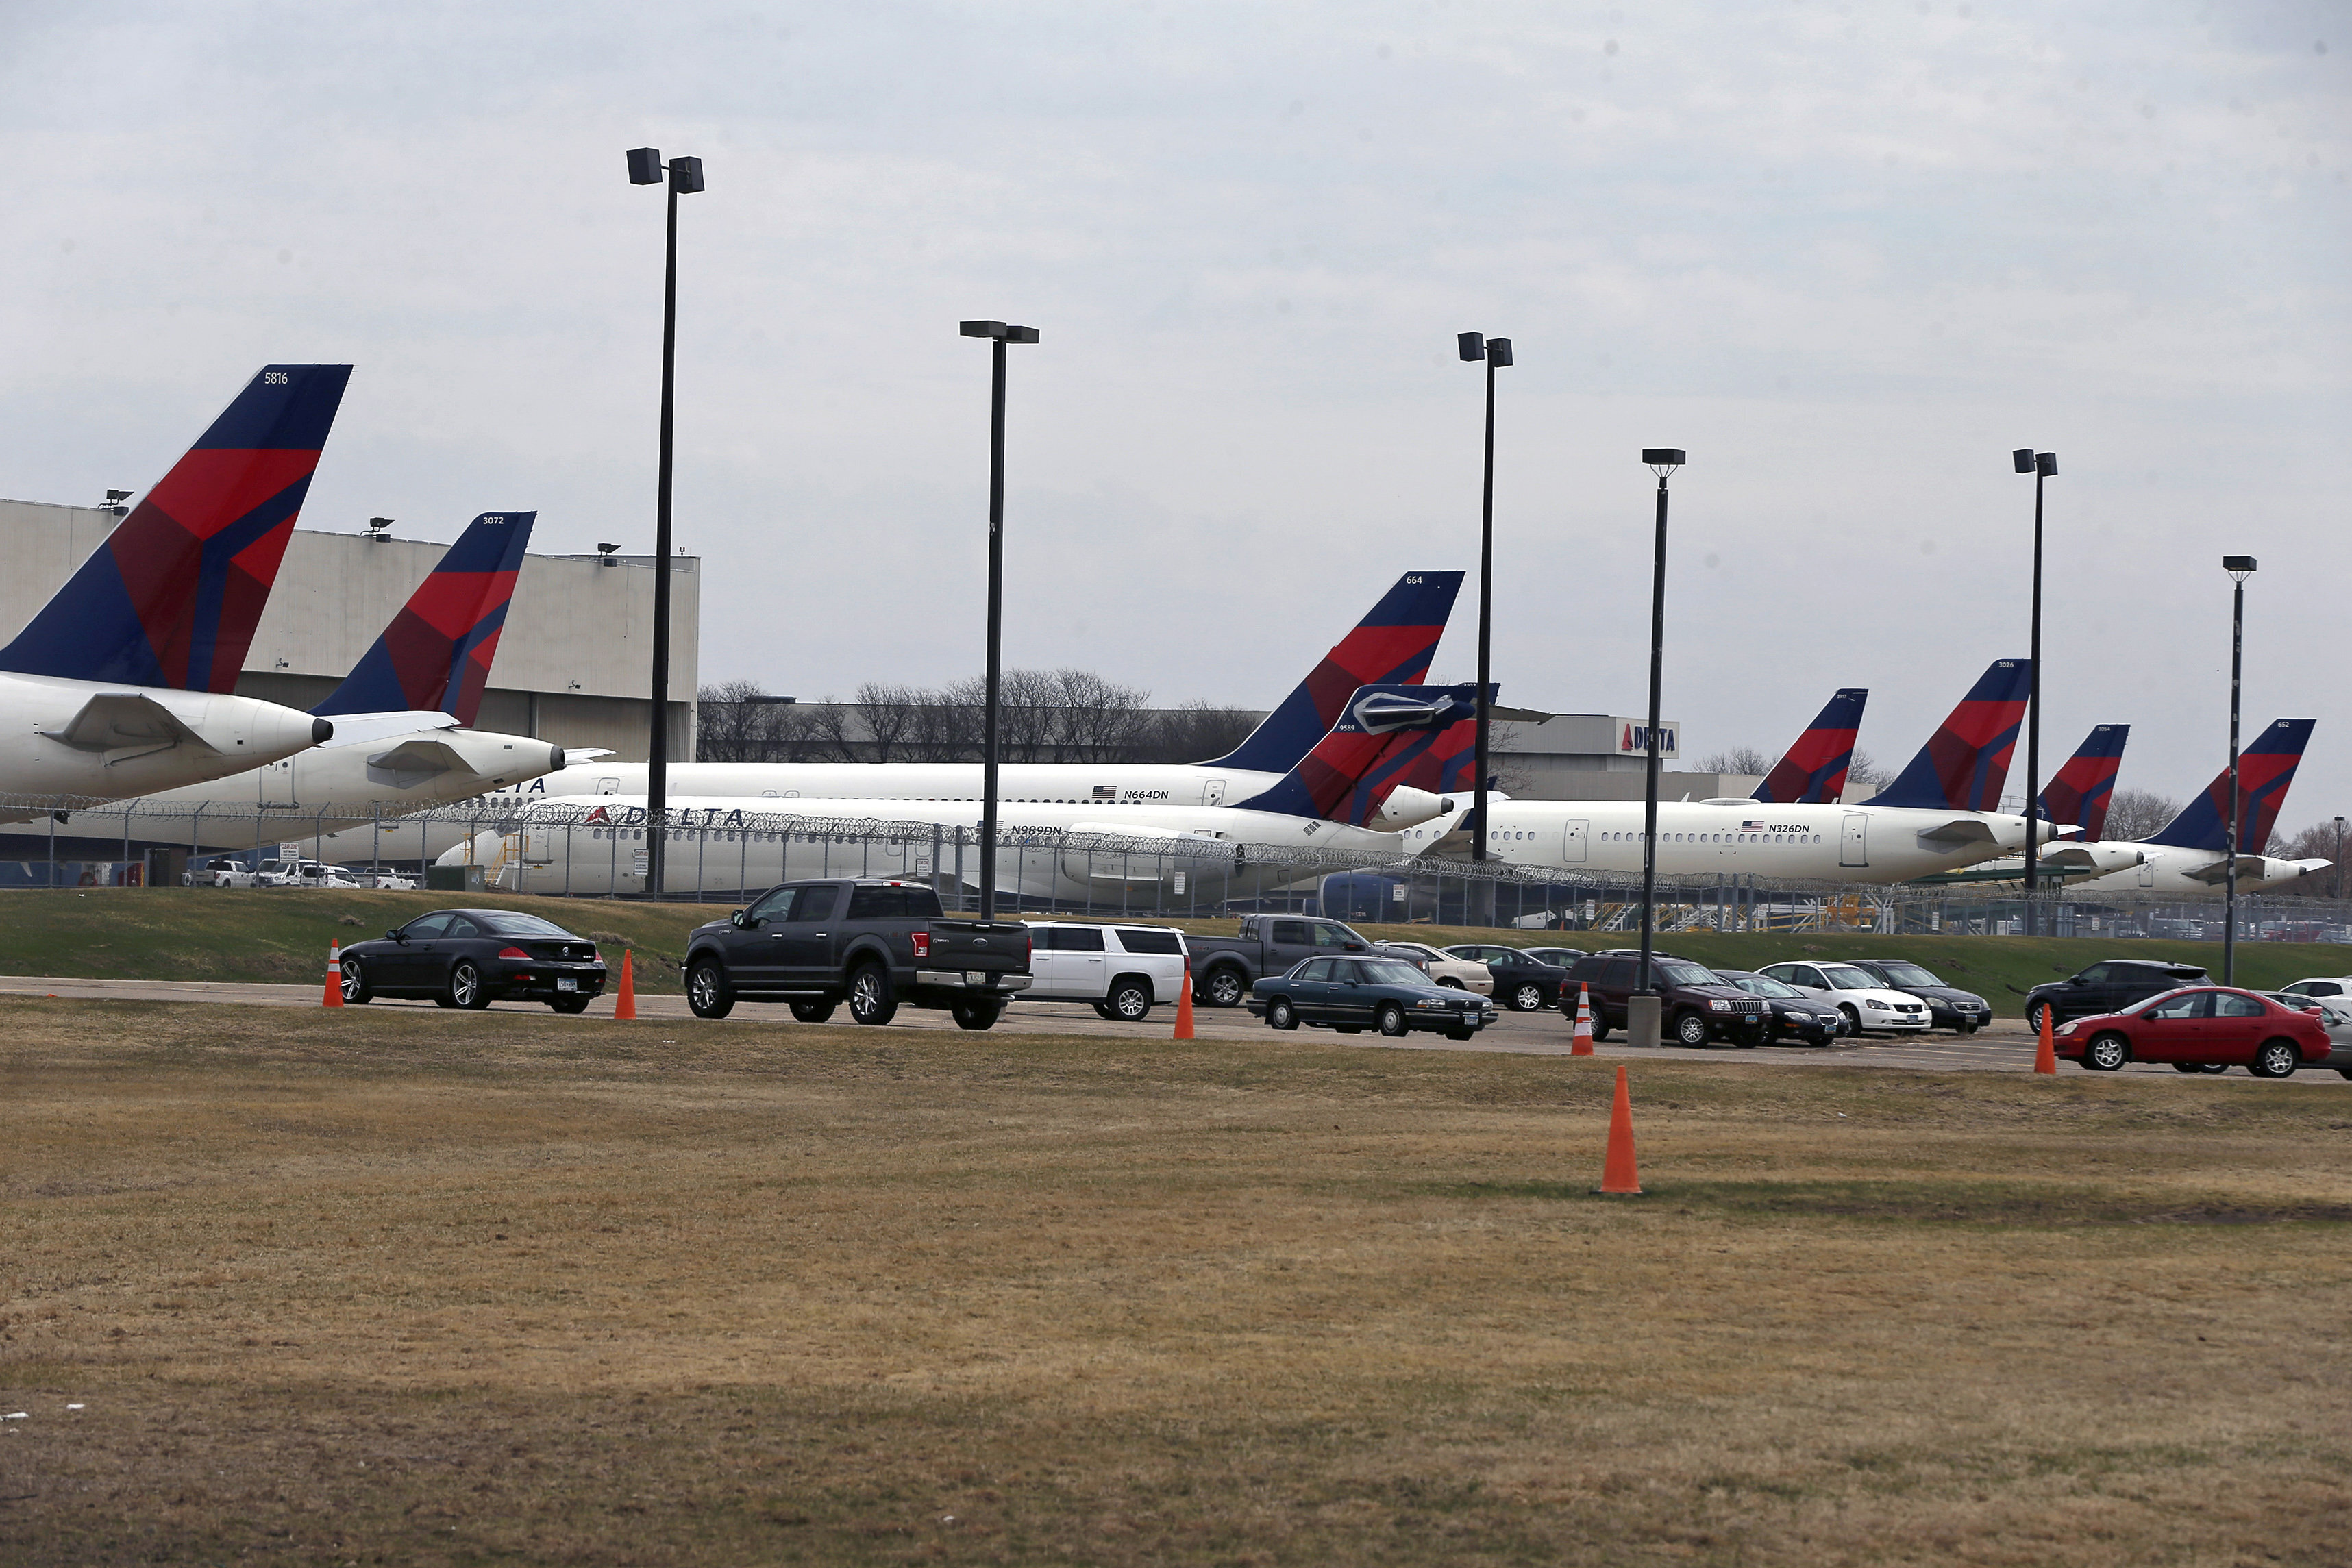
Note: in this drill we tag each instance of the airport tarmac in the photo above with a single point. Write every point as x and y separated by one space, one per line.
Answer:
2006 1047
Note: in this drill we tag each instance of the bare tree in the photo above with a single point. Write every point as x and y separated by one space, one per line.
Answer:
888 713
726 720
1739 759
1864 777
2136 814
1196 732
1095 720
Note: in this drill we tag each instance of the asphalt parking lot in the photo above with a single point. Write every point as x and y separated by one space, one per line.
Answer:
2006 1047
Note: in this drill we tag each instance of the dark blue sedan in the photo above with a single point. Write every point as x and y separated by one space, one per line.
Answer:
1351 994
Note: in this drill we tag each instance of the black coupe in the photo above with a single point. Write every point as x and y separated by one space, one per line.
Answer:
472 958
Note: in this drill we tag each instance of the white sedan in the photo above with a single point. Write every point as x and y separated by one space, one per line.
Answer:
1464 973
1868 1005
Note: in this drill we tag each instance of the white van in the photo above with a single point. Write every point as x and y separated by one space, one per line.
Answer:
1123 971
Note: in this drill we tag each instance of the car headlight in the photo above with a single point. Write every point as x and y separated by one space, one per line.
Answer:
1432 1002
1874 1005
1718 1005
2067 1028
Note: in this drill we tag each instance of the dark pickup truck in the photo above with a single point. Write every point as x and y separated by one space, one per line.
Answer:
1225 967
871 943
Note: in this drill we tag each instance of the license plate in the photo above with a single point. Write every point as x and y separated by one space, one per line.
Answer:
975 977
566 982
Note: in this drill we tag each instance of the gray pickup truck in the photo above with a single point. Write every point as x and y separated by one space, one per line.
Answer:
1225 967
873 943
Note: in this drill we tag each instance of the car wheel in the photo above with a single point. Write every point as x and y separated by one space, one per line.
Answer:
977 1015
1600 1029
2034 1013
2275 1059
570 1004
1527 997
1690 1030
1390 1019
2106 1053
1222 987
708 994
1129 1000
1849 1022
356 990
1456 984
870 1001
466 988
1280 1014
814 1012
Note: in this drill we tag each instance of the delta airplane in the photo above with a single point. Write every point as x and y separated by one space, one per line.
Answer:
1392 646
1140 855
404 738
2189 855
2079 793
121 684
1942 812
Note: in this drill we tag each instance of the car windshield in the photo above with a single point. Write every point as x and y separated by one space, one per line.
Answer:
2145 1003
1689 975
1846 977
512 924
1904 974
1391 972
1766 985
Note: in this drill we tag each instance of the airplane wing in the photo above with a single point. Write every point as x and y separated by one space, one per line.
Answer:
2255 867
574 755
413 761
2082 857
355 729
1960 830
113 721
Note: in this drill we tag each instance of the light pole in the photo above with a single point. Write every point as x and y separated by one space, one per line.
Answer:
646 168
2041 465
2240 568
1663 461
1001 334
2339 859
1497 353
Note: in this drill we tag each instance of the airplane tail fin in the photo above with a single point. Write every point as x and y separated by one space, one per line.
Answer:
2084 787
1386 735
1813 772
172 598
2265 768
1965 762
1392 646
435 654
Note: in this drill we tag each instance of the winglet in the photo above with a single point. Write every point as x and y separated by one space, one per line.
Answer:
172 596
436 653
2265 768
2085 787
1386 735
1963 764
1813 772
1392 646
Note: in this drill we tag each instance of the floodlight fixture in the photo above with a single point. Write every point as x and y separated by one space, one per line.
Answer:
377 527
1472 345
2239 567
1663 460
645 166
2023 458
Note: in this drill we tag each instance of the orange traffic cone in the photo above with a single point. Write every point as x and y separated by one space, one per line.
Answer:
1184 1005
1618 1174
2045 1060
626 1009
1580 1038
334 996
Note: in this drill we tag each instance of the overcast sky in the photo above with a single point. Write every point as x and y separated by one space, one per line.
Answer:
1848 255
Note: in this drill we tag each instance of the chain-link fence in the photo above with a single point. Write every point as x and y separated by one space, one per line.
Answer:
721 856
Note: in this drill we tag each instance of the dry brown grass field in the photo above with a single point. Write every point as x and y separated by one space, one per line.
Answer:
428 1289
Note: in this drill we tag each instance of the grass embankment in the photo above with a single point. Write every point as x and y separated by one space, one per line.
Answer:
271 935
397 1288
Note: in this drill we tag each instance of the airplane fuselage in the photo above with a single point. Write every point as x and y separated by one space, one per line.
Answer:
100 741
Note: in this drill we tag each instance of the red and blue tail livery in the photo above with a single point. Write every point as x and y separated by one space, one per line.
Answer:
1386 735
1964 763
1813 772
1393 645
2264 770
172 598
435 655
2085 787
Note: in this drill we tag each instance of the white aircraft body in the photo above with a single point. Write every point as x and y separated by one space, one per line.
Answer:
91 741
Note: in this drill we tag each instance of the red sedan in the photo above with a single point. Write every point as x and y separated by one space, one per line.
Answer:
2204 1029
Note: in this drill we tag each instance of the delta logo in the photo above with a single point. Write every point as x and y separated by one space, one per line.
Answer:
1635 740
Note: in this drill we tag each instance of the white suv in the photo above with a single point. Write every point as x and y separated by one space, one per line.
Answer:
1121 969
1866 1005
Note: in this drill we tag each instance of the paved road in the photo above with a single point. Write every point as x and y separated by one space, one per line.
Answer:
2006 1047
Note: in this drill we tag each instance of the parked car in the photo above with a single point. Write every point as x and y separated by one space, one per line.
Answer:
874 943
2201 1029
383 877
1949 1007
1788 1011
472 958
219 871
1351 994
2107 987
1225 967
1443 967
2321 986
1523 982
1122 970
1697 1006
1866 1002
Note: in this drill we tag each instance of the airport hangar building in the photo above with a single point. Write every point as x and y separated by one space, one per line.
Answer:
574 661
